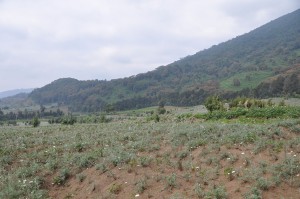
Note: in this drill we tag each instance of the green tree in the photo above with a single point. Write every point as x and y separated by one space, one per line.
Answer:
236 82
161 108
35 122
213 103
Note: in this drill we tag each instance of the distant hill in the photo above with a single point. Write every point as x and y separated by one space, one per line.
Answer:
14 92
245 65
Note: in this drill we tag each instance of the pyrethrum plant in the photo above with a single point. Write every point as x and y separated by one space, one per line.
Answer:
171 181
62 177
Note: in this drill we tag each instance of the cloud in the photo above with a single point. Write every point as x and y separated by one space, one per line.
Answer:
106 39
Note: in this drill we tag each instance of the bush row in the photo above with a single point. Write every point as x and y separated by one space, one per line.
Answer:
265 112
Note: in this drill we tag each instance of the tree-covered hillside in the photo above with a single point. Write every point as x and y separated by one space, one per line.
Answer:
235 67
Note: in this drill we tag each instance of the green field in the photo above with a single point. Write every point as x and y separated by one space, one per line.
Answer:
255 79
132 156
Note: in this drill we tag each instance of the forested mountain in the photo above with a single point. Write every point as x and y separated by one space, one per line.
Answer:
250 64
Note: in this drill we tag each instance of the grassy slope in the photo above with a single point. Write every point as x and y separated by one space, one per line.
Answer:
255 79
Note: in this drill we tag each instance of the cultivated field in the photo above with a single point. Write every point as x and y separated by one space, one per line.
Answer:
136 157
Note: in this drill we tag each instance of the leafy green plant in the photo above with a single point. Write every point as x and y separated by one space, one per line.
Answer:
213 103
35 122
62 177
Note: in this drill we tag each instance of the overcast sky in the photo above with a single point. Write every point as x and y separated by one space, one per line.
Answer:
43 40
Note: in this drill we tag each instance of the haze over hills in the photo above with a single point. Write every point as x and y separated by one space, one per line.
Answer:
14 92
253 64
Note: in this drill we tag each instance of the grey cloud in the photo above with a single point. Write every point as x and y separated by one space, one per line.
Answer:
99 39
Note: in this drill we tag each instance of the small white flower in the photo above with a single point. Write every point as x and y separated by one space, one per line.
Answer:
137 195
243 153
232 171
295 155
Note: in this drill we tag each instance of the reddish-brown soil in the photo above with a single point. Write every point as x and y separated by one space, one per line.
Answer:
99 185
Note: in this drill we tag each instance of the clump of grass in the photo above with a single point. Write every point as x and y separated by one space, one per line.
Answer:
28 171
80 177
79 147
182 154
263 184
251 174
171 181
115 188
230 173
254 193
216 193
52 164
224 155
141 185
260 146
26 188
187 176
199 191
288 169
263 166
102 167
145 161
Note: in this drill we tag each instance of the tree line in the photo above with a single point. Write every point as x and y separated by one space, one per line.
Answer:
29 115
